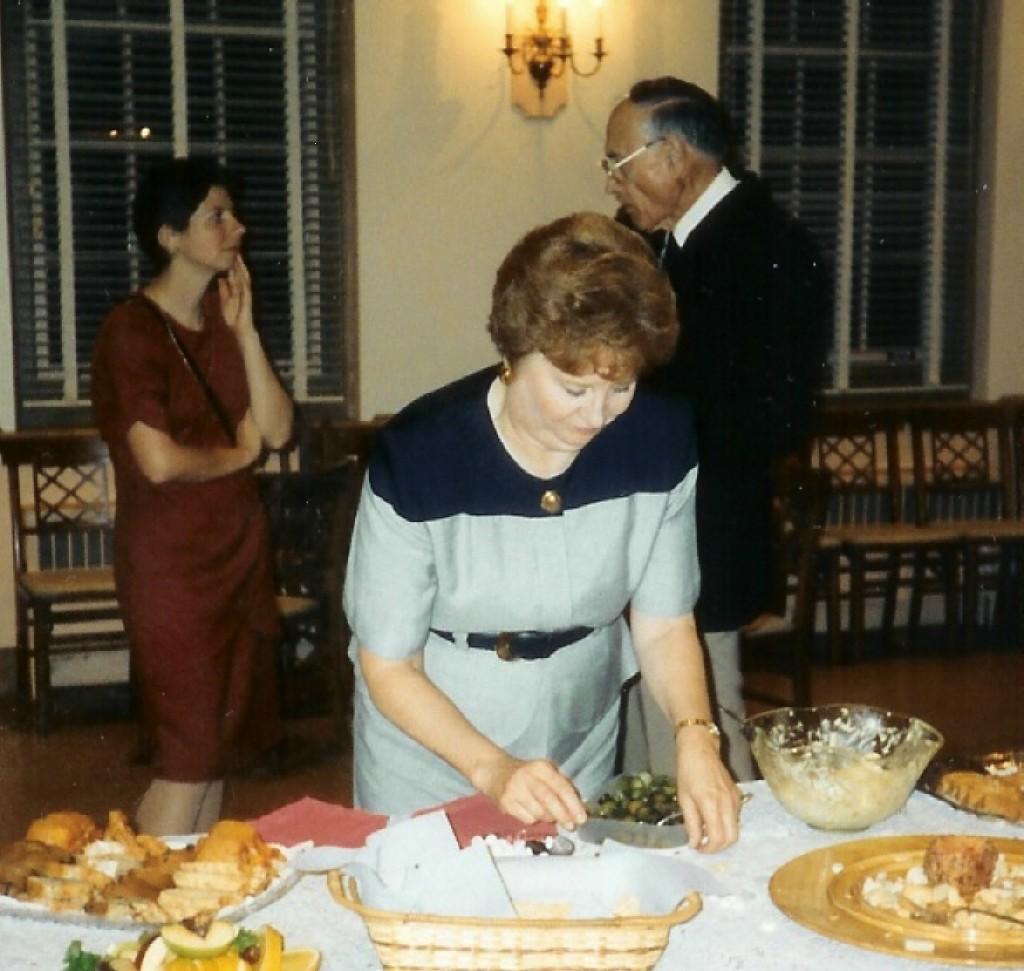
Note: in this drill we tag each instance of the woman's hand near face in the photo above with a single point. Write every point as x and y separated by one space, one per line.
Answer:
270 405
235 290
532 791
708 797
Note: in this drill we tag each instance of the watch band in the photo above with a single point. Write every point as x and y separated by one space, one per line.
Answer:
698 722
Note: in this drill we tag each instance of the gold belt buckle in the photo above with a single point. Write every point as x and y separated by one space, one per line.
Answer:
503 647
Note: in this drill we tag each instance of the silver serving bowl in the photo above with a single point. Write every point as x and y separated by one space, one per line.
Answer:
843 766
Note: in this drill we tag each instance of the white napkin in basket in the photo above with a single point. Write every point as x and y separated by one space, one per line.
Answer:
416 866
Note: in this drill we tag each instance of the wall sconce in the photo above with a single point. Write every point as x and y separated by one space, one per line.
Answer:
538 58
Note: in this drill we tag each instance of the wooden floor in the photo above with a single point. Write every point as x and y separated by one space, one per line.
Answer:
86 763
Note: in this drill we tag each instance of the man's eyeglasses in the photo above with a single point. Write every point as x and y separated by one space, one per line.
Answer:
612 167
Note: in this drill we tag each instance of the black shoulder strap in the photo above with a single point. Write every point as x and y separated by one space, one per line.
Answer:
190 363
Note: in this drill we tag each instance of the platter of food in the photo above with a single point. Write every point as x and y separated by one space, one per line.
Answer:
69 870
987 785
213 945
955 899
640 810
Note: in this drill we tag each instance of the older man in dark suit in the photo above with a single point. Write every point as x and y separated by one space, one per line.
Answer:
750 293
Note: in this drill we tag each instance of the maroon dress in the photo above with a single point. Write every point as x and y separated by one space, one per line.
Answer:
192 559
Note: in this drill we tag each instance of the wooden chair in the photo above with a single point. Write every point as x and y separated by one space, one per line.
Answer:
964 478
310 515
869 538
62 514
330 441
778 649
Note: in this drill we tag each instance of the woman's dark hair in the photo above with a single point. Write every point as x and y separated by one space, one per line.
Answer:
169 193
585 292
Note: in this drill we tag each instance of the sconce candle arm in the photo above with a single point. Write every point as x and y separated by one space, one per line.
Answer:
544 52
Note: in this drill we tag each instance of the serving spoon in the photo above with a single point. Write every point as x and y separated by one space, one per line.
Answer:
945 918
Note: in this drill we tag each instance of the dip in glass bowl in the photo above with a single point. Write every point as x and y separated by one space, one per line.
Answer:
841 766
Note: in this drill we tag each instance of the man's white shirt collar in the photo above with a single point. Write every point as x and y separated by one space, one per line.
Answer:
720 186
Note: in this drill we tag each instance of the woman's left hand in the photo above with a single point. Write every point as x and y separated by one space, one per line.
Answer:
709 799
235 290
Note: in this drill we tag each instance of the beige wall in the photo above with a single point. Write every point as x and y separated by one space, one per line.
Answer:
999 348
450 175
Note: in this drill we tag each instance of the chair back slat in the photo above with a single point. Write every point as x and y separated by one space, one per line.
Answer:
963 466
303 508
859 451
69 520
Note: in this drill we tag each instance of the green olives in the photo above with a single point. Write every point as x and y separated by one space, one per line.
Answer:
641 798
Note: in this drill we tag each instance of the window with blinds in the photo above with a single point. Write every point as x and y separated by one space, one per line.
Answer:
95 88
862 118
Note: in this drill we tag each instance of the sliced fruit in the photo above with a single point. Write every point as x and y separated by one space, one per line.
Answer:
228 961
121 964
154 955
301 959
188 944
270 949
125 949
181 964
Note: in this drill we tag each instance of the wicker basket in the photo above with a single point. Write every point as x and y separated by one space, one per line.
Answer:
422 942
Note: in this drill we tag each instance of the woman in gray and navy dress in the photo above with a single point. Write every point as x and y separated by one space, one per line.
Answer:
525 543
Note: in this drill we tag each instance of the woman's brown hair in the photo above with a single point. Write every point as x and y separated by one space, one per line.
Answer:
586 292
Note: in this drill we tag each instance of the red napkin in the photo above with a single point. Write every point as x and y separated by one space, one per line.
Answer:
476 815
328 824
325 823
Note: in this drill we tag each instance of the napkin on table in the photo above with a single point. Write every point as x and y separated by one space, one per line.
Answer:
325 823
331 824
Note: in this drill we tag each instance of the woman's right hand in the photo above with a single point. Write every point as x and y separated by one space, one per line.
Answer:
532 791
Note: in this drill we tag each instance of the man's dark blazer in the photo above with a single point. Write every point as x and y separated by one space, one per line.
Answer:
750 291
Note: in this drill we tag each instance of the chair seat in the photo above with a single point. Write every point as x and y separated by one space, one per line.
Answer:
893 534
978 530
85 583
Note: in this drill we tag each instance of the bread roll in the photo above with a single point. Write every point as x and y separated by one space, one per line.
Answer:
69 831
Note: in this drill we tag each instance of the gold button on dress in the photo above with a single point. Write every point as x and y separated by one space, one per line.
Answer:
551 501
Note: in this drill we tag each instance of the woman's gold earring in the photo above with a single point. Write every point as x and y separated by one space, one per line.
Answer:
506 372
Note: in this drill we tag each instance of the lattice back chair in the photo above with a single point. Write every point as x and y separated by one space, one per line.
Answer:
309 515
777 650
62 513
870 541
964 478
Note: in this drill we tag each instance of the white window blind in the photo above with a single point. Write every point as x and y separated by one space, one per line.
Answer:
95 88
862 118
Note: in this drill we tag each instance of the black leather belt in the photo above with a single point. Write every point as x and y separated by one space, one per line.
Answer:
527 645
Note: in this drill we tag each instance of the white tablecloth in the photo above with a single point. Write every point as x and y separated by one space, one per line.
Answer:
741 931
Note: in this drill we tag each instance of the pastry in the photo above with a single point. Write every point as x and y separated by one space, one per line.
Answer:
983 793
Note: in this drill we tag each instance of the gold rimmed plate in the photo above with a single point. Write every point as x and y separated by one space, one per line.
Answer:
821 891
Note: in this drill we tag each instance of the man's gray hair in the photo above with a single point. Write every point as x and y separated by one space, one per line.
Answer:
681 108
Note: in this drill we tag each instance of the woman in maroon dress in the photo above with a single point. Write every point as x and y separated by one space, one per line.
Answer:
186 399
